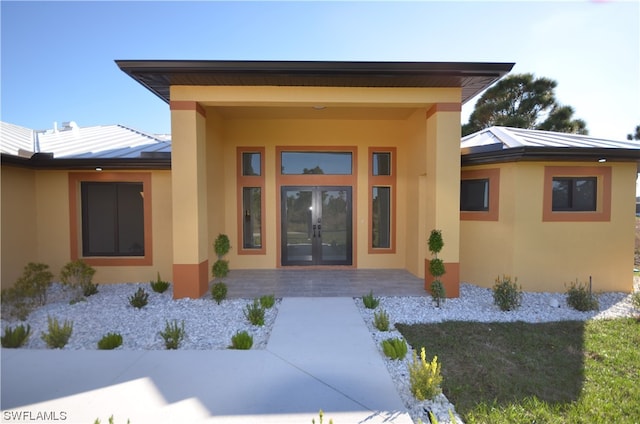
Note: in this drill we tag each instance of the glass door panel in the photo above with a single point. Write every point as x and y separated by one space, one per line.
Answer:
316 226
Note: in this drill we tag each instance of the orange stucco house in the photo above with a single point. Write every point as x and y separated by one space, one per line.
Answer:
320 164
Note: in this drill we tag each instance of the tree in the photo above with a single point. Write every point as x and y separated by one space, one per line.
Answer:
523 101
636 135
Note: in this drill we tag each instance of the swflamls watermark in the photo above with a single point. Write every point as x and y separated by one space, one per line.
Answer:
27 416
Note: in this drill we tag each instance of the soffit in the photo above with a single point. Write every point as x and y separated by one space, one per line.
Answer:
158 76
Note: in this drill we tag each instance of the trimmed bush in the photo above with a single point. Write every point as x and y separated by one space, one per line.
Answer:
381 320
29 291
369 301
77 275
173 334
268 301
394 348
219 292
16 337
139 299
110 341
57 336
159 286
507 294
221 245
255 313
438 293
579 297
241 340
424 377
220 268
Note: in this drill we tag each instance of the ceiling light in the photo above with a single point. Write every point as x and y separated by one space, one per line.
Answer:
98 168
602 160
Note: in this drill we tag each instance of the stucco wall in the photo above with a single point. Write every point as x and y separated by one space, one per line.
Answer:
546 256
19 226
36 226
293 132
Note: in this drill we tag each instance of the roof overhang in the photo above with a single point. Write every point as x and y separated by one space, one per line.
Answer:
487 155
44 161
159 75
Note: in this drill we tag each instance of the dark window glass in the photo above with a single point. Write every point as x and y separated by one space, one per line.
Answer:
327 163
474 195
382 163
112 219
574 194
252 219
381 217
251 164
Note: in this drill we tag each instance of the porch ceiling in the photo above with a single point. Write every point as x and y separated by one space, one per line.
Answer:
158 76
310 112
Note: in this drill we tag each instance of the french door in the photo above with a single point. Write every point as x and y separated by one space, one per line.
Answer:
316 225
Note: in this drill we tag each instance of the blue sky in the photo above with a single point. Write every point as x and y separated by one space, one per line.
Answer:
57 58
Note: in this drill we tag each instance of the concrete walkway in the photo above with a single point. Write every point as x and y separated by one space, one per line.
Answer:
320 356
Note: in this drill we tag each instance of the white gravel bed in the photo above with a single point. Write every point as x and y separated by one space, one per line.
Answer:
474 304
207 324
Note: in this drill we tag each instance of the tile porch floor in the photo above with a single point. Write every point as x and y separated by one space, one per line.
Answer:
250 283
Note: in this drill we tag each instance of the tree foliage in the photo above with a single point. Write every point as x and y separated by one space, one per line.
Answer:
635 135
523 101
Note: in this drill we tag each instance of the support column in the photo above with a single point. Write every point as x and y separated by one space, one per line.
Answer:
443 190
189 199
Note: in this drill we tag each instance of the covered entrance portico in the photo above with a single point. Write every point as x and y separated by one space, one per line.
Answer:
233 123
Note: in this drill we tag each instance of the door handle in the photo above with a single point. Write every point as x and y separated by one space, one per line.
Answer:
314 230
319 229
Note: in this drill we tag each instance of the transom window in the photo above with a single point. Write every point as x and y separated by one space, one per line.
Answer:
574 194
324 163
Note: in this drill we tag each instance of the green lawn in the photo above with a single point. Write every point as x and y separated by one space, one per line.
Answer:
561 372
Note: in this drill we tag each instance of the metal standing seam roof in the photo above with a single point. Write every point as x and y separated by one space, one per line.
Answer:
16 140
159 75
72 142
503 144
507 138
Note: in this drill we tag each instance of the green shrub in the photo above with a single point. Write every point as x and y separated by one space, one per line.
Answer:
220 268
15 337
394 348
635 300
241 340
255 313
381 320
219 292
77 275
424 377
110 341
507 294
435 243
173 334
268 301
139 299
57 336
436 267
159 286
369 301
579 297
29 291
111 421
321 418
438 293
221 245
